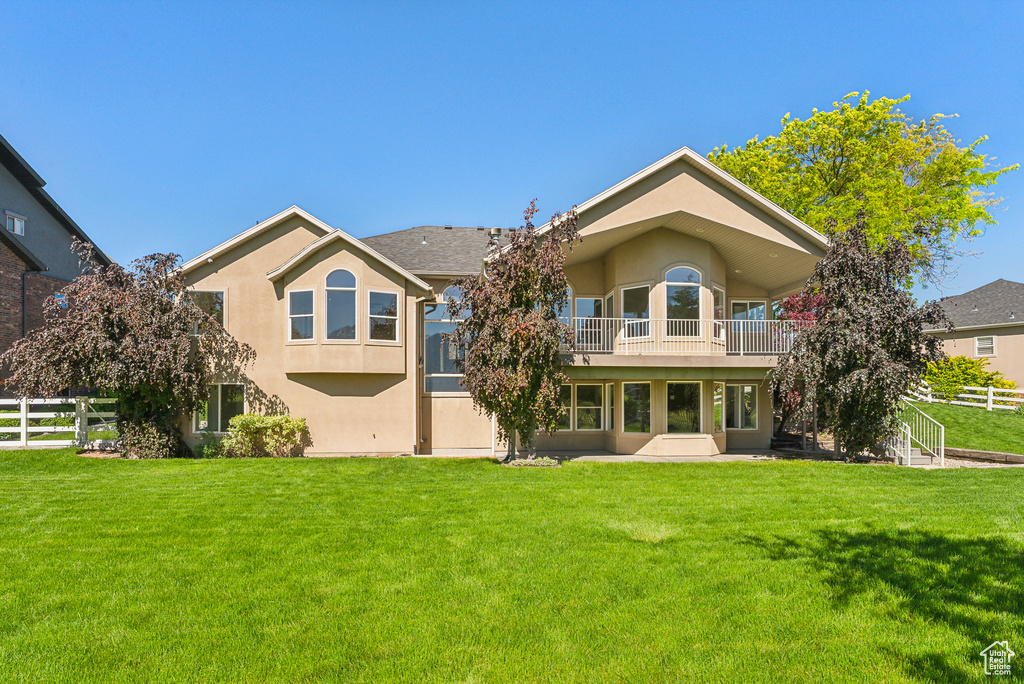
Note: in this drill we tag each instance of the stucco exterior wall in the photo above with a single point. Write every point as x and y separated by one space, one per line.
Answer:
1009 356
362 396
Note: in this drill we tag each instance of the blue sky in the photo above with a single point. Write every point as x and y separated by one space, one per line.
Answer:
173 126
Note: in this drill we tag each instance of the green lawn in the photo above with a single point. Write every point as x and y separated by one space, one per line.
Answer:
421 570
976 428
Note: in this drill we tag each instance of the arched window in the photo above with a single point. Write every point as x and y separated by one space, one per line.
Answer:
341 305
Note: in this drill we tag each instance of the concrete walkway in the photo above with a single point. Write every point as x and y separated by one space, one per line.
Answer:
608 457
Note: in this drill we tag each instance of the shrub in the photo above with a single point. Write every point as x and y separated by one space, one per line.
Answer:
953 373
251 436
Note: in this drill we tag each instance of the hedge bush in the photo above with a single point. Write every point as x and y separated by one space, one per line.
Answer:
952 374
253 436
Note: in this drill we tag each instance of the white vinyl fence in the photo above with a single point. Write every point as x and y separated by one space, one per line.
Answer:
58 422
989 398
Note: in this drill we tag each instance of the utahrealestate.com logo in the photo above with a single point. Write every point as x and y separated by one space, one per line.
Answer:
997 658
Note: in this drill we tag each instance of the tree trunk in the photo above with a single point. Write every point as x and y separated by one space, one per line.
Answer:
511 447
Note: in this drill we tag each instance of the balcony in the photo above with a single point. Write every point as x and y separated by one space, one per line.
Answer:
672 337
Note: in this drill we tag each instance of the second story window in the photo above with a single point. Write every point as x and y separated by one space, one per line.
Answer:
212 304
384 316
16 224
300 315
341 305
682 301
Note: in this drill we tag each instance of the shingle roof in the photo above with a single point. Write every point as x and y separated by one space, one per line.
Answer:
457 250
991 304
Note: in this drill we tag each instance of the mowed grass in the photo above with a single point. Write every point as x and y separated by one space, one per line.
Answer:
975 428
420 570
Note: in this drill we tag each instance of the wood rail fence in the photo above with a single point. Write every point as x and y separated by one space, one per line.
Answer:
58 422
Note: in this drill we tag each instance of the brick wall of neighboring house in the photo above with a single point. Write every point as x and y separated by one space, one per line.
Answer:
38 289
11 270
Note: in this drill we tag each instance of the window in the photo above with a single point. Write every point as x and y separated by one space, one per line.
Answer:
565 398
565 312
588 407
300 315
16 224
211 304
224 402
636 306
589 327
610 393
609 305
985 346
384 316
748 311
719 313
682 302
719 407
441 354
636 407
684 407
741 407
341 305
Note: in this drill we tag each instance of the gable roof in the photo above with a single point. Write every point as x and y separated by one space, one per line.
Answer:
449 250
688 155
22 252
988 305
332 236
249 234
33 182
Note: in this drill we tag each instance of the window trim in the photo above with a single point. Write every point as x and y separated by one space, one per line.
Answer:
714 428
220 386
576 407
609 311
17 218
757 407
355 305
224 307
626 321
609 400
717 324
977 347
397 317
288 328
700 300
650 400
748 302
700 407
572 407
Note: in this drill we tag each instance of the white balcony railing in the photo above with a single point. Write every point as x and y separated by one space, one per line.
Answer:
631 336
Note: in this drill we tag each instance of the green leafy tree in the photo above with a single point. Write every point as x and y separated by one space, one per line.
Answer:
911 179
950 375
128 332
867 346
511 333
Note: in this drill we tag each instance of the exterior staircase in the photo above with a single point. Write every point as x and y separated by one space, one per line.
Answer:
920 440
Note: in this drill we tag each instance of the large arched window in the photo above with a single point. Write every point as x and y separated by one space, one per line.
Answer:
440 353
682 301
341 305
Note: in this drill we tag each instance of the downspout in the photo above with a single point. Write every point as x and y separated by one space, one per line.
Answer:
417 398
24 303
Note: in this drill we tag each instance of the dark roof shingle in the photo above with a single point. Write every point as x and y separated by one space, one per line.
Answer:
991 304
457 250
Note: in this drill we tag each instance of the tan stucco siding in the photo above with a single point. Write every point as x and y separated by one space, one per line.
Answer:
356 397
1009 341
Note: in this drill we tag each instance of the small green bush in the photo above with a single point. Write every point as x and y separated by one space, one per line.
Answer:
951 375
253 436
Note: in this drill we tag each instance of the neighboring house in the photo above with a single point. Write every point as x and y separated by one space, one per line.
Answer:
671 298
989 324
36 259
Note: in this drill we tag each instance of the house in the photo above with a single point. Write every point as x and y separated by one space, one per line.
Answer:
36 259
671 298
989 323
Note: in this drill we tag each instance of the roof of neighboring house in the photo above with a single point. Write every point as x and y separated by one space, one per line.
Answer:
33 182
449 250
998 303
22 252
